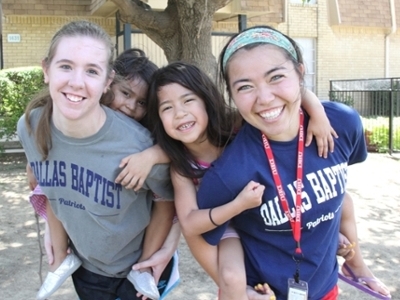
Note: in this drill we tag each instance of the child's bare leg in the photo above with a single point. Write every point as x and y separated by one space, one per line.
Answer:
205 254
59 238
232 274
348 229
59 247
209 258
231 270
356 263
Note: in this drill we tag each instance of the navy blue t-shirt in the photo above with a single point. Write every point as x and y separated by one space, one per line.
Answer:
265 231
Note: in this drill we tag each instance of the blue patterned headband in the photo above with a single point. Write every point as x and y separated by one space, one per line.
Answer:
258 35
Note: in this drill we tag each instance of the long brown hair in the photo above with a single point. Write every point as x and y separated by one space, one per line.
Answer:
43 99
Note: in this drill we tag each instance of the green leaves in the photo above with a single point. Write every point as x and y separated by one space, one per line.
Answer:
17 87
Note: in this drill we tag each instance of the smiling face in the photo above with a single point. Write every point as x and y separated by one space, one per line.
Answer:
130 98
182 113
266 89
77 76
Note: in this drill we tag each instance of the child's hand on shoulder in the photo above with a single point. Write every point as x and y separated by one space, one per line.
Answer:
136 168
324 135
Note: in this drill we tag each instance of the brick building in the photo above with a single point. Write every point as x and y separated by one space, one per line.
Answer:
340 39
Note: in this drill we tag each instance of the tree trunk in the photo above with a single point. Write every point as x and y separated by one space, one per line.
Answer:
182 30
196 26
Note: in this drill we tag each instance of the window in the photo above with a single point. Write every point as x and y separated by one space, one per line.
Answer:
307 47
305 1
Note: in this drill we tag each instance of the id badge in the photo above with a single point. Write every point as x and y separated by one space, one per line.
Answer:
297 291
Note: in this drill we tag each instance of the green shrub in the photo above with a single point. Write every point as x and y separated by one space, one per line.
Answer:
377 133
17 87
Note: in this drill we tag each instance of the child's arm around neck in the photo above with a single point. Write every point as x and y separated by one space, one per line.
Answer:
136 167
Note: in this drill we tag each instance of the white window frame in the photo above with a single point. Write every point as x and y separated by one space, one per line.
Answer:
309 51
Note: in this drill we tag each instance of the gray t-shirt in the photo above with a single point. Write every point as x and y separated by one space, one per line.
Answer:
104 221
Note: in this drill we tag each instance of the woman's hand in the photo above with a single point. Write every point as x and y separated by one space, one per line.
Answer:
157 262
260 292
160 259
48 245
32 182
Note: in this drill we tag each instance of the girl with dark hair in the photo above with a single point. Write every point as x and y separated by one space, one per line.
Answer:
193 125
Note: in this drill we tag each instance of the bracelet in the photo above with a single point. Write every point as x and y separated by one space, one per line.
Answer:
211 219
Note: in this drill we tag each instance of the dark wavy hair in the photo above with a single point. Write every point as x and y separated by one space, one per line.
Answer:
220 117
130 65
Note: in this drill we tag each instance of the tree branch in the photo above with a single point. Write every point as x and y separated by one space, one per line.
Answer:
218 4
160 26
136 13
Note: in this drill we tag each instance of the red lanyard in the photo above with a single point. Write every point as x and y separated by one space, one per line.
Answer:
294 222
